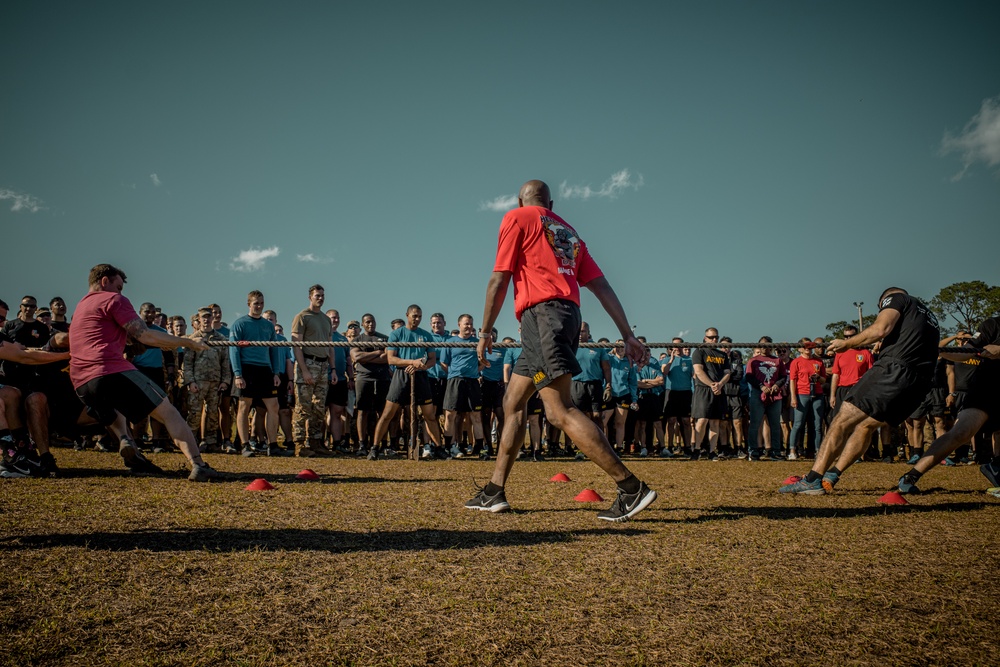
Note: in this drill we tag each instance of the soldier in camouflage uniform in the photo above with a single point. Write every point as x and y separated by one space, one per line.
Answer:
312 375
205 375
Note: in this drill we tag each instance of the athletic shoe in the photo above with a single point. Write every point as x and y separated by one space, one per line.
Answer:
907 487
389 453
485 455
302 452
627 505
203 473
913 459
259 447
373 454
887 459
495 504
991 471
80 444
427 453
742 455
537 457
49 467
643 453
161 447
25 464
829 481
804 487
792 456
580 456
361 451
441 454
273 450
995 491
248 451
695 454
103 445
456 452
229 448
135 461
948 462
665 453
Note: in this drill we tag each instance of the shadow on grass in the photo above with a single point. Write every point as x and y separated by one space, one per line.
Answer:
725 513
292 539
247 477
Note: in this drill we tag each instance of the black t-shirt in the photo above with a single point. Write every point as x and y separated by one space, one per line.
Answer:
984 376
735 368
715 363
914 338
28 334
371 371
940 380
62 327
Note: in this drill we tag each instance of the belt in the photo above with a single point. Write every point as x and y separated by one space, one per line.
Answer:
314 357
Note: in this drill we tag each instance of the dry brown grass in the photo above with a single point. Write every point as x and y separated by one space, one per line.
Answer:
378 563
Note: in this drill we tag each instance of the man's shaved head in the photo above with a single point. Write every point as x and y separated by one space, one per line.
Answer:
535 193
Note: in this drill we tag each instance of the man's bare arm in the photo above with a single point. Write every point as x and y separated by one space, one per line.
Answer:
873 333
138 330
18 354
601 288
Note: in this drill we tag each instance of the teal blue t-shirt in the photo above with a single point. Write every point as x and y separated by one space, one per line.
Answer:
680 375
624 377
405 335
462 362
590 360
651 371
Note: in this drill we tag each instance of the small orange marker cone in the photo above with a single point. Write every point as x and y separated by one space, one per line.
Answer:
307 474
792 480
588 496
893 498
560 477
259 484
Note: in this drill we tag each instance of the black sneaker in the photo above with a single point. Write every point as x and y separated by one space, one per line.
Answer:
49 466
485 503
25 464
203 473
991 471
104 445
627 505
273 450
135 461
373 454
248 451
537 456
441 454
229 448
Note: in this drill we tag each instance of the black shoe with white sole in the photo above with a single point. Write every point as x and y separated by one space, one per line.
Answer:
495 503
627 505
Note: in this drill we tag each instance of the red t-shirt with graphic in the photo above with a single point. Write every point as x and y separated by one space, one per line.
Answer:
545 255
850 366
801 370
97 337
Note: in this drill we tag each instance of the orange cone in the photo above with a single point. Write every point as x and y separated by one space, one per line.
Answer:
588 496
792 480
561 477
307 474
259 484
893 498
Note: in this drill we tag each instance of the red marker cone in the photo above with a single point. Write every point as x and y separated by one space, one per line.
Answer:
259 484
893 498
561 477
307 474
588 496
792 480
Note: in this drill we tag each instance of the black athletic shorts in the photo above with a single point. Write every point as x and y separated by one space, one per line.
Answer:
129 392
706 405
737 407
438 388
677 404
285 400
989 402
370 394
890 392
624 401
939 402
399 388
924 409
588 396
336 394
463 395
650 407
492 394
64 407
550 336
260 383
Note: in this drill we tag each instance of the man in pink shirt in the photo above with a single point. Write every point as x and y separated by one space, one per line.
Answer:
114 392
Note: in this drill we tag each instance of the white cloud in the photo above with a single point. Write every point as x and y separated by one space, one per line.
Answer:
21 201
156 180
253 259
611 189
681 334
309 257
979 140
500 204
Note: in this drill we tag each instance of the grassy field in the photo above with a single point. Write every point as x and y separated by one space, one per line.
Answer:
378 563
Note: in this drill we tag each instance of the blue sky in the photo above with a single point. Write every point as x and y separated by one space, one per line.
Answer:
751 166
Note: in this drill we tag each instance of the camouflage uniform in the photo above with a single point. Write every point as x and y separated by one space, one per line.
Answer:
310 401
208 369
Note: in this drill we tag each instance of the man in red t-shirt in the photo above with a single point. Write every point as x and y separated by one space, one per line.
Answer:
548 262
114 392
848 367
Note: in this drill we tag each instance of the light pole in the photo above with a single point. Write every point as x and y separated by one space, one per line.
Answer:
861 319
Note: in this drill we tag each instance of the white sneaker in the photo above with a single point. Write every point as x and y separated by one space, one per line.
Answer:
427 453
456 452
792 456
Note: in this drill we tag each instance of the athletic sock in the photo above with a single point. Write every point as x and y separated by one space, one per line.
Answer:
913 476
812 476
479 443
630 484
835 471
492 489
447 441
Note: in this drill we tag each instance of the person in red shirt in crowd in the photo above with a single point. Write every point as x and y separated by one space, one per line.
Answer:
548 262
848 367
805 377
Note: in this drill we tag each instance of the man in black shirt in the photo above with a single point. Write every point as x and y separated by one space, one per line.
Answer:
886 394
980 407
371 380
708 403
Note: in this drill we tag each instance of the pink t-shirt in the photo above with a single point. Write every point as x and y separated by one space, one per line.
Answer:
97 337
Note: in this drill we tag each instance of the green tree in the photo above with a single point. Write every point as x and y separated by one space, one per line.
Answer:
965 305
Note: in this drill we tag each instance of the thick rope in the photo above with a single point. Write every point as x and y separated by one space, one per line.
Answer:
378 344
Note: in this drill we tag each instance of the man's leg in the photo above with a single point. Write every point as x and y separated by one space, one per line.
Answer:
36 409
714 431
433 429
242 420
700 426
515 402
382 427
179 431
966 426
271 422
850 421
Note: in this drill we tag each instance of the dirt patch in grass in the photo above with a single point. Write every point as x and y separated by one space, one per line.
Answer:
378 563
